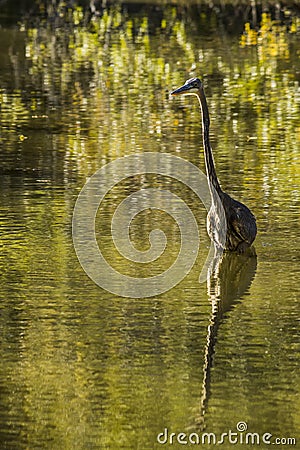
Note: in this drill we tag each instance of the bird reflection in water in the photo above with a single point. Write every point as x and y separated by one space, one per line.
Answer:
228 280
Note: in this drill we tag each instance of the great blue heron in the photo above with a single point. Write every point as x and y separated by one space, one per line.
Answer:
241 223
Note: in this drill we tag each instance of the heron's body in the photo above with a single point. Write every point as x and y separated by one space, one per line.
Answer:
241 223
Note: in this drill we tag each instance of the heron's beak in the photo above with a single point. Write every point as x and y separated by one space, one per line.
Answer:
182 90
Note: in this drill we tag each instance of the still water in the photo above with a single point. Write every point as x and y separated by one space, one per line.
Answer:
82 368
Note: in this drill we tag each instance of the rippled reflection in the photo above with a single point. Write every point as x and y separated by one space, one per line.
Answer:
229 279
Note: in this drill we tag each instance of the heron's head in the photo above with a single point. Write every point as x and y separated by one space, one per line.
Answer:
190 87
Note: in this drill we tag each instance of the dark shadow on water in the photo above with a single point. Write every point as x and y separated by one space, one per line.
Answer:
230 280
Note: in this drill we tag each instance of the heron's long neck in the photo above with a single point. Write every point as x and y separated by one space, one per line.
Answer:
209 159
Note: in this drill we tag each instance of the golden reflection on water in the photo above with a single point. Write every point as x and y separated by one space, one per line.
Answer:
80 367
